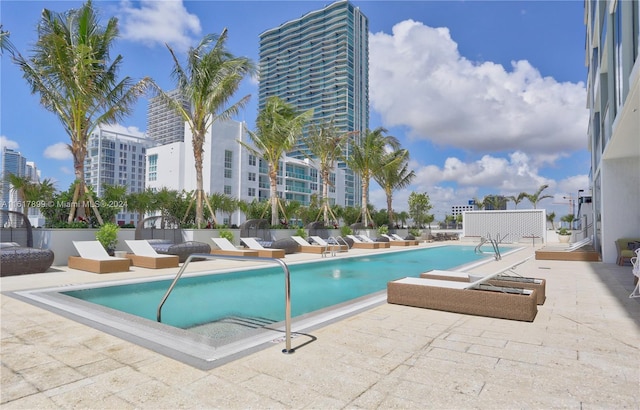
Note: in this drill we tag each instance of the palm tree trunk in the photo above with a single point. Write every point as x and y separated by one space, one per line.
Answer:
199 187
365 211
273 181
325 198
390 210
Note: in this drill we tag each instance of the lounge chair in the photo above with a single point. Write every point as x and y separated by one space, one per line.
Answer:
227 248
399 238
360 244
626 249
262 251
474 298
365 238
93 258
333 247
577 251
394 242
145 256
504 278
306 247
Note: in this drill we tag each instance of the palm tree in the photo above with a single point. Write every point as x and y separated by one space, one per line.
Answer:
140 202
73 72
209 80
277 127
536 197
479 204
23 187
5 42
366 159
517 199
550 218
325 146
394 174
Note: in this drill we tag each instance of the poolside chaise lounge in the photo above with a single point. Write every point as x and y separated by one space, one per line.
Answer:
399 238
473 298
306 247
500 279
262 251
365 238
394 242
145 256
227 248
332 246
577 251
360 244
94 258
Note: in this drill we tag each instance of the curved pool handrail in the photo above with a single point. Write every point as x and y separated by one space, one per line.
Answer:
287 287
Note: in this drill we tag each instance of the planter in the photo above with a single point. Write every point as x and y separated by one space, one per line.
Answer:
564 238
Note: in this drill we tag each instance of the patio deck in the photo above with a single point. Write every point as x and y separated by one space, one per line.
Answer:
581 350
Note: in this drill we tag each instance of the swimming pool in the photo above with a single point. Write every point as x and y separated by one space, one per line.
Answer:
209 317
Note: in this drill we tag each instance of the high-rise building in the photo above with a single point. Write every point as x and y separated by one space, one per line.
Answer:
116 159
613 98
320 61
12 163
164 125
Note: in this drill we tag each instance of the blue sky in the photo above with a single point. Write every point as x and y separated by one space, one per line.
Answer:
488 96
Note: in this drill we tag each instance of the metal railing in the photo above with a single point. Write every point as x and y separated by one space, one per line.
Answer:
494 245
287 287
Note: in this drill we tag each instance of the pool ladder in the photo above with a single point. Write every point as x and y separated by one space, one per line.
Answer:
287 287
494 244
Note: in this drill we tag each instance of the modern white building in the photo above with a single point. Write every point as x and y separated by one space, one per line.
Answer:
613 98
116 159
231 169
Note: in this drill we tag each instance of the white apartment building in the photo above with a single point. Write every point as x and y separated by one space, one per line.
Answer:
116 159
231 169
613 98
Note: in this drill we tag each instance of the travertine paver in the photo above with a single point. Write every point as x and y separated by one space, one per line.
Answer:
582 351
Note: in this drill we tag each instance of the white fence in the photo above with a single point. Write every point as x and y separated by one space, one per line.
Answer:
508 226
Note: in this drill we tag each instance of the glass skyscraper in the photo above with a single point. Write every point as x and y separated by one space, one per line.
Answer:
320 61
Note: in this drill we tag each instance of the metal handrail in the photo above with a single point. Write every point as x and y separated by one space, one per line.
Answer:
337 240
287 287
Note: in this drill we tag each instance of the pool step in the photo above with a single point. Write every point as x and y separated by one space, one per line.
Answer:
231 326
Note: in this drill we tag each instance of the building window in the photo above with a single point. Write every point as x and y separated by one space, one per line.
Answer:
227 189
228 160
252 176
252 160
252 192
153 167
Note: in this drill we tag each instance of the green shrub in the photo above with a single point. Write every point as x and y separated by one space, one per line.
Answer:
227 234
301 232
415 232
107 235
383 230
345 230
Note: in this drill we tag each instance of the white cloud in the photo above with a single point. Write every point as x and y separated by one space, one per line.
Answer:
418 79
59 151
159 23
6 142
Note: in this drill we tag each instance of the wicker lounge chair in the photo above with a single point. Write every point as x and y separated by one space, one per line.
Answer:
578 251
306 247
394 242
145 256
93 258
227 248
331 244
360 244
475 298
399 238
502 280
383 244
262 251
17 254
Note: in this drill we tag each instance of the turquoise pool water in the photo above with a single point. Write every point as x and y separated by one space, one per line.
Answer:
259 293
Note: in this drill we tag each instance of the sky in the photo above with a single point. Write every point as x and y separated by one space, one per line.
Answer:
489 97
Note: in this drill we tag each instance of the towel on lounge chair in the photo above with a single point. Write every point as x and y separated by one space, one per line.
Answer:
262 251
94 258
146 257
226 248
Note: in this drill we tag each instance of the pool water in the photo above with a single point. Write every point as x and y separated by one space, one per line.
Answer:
256 296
